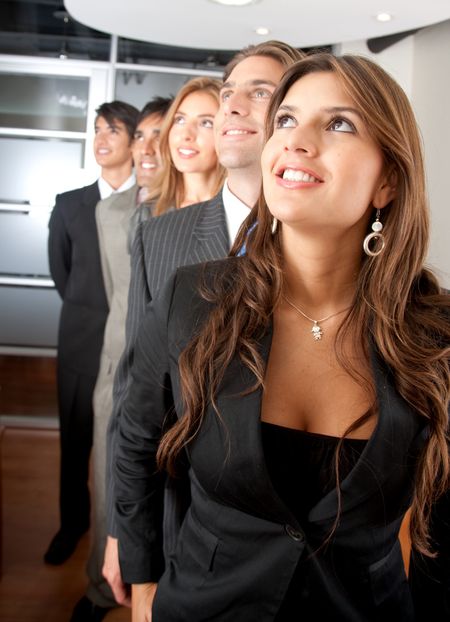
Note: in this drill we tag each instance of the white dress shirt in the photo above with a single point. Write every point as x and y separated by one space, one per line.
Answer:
235 211
106 190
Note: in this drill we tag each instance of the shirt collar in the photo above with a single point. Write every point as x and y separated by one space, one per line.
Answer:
106 190
235 211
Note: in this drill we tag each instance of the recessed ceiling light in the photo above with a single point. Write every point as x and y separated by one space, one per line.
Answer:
235 2
383 17
262 30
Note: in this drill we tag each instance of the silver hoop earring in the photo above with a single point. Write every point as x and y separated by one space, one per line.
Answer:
376 234
274 225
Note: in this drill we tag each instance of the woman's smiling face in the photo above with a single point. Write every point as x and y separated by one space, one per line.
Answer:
191 137
321 168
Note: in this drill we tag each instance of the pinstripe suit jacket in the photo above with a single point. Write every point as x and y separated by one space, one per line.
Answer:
192 235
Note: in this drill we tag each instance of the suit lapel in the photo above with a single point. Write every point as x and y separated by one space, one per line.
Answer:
126 204
210 235
233 445
91 195
238 446
398 434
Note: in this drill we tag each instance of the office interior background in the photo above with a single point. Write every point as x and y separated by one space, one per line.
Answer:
55 71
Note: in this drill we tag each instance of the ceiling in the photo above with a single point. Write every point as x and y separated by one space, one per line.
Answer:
44 28
197 33
38 28
302 23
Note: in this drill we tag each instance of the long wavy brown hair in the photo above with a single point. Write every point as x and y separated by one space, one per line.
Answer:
398 302
168 188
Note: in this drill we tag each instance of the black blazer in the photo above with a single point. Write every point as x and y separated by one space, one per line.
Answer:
239 544
74 259
183 237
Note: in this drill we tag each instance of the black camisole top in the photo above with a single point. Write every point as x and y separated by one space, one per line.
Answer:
302 470
301 464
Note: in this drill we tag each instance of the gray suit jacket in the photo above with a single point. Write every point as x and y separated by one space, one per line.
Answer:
113 222
192 235
114 217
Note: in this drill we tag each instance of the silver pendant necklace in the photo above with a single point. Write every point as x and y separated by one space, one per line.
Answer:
316 329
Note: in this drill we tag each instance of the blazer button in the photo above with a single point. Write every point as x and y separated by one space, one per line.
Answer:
295 534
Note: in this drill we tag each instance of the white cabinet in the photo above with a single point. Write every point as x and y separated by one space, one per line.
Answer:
46 134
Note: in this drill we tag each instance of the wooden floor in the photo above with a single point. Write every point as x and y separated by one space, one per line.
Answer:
31 591
28 386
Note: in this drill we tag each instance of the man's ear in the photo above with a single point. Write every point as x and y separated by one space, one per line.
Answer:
386 190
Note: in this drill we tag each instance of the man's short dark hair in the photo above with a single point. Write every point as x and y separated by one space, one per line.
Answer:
157 105
119 111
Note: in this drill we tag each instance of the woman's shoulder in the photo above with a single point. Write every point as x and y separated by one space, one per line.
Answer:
224 267
429 309
191 294
204 283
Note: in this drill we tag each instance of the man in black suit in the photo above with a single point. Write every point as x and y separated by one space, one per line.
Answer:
195 234
75 267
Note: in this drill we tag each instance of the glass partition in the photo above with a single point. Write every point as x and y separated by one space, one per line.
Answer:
138 87
43 102
32 169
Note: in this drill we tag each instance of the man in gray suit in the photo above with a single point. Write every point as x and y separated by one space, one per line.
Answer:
117 218
75 267
195 234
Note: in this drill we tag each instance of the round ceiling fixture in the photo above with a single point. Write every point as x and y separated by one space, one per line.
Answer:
384 17
262 31
235 2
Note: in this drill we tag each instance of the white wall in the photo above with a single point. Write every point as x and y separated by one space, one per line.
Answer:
421 65
431 98
396 59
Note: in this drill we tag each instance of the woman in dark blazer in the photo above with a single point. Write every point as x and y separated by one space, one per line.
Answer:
304 384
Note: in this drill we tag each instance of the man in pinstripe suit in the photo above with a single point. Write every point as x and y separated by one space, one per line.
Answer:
195 234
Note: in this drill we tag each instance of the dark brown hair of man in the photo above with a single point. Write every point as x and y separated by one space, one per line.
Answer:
119 111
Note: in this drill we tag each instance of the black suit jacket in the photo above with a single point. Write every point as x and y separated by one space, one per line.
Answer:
191 235
74 259
239 544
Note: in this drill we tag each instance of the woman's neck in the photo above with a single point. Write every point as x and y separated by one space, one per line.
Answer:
320 273
198 187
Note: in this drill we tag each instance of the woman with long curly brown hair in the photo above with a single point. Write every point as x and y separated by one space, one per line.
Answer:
191 171
304 381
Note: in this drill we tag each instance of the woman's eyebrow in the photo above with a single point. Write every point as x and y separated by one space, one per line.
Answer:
288 108
328 110
338 109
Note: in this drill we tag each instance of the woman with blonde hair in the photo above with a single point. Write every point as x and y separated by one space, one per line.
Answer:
304 381
191 171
